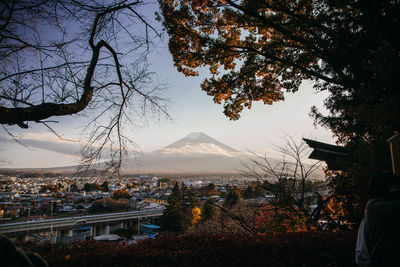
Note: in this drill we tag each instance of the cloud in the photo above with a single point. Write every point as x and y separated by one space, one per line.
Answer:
47 136
47 142
66 147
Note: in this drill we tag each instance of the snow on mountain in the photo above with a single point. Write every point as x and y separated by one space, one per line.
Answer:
201 148
198 143
196 136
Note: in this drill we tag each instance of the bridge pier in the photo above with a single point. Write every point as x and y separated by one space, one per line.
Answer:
104 229
136 226
69 232
20 238
93 230
65 232
59 235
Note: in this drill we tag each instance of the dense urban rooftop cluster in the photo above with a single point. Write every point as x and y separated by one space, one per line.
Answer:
39 198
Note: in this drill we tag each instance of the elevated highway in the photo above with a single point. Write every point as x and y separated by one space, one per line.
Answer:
78 221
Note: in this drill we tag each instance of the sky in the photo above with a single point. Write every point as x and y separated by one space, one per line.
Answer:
258 129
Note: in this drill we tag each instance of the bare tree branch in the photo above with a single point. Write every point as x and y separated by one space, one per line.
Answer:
288 178
86 65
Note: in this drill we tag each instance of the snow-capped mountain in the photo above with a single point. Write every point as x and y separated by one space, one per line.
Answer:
194 153
197 144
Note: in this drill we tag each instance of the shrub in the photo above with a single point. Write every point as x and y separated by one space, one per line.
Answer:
274 220
305 249
121 193
109 205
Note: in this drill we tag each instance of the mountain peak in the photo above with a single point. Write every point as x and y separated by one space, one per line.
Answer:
198 143
195 135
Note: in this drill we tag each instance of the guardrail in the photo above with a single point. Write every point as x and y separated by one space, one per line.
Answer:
70 222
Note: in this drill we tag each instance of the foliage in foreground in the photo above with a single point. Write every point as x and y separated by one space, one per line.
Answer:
272 220
305 249
262 50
